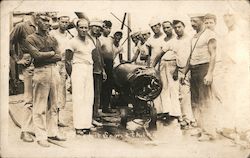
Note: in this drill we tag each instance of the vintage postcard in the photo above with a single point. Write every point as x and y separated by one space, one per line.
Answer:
125 79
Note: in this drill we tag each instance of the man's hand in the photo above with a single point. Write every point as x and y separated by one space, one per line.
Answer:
208 79
182 78
24 62
122 61
175 74
104 76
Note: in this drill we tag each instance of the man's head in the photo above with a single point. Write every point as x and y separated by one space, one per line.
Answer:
52 15
167 27
155 25
197 21
145 34
210 21
63 22
82 26
156 28
96 28
179 27
134 37
107 25
117 36
229 20
42 21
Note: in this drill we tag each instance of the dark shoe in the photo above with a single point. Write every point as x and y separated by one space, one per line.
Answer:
82 132
86 131
58 138
43 143
26 137
79 132
60 124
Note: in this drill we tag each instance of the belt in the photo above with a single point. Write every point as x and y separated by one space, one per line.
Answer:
83 62
47 65
168 59
198 65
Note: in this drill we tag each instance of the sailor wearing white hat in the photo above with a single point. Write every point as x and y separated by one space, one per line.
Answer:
98 71
62 37
201 64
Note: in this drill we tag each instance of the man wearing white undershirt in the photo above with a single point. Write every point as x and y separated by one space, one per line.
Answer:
63 37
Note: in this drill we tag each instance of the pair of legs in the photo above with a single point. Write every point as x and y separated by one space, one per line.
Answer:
200 98
45 85
83 97
168 101
27 118
107 86
61 92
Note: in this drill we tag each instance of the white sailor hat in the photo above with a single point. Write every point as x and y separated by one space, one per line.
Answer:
154 21
62 14
96 22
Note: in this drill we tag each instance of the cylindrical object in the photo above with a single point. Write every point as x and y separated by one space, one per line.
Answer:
137 81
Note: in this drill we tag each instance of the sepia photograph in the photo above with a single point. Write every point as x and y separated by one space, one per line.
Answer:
121 79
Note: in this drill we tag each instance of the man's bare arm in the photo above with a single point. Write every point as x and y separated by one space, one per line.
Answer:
212 51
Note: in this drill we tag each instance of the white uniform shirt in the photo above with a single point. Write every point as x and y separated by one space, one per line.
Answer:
156 45
200 53
183 50
62 40
170 54
82 50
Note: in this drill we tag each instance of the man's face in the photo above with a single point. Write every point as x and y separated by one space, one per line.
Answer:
52 14
83 28
167 28
96 30
117 37
210 24
229 20
179 29
196 23
43 23
134 39
63 23
106 30
156 28
146 36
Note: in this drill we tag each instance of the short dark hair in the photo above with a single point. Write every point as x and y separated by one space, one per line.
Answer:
107 23
78 21
178 21
167 22
118 33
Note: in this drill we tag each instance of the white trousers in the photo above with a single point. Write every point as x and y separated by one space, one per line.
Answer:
185 98
168 101
82 95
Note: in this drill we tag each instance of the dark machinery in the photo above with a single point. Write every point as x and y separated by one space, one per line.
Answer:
137 87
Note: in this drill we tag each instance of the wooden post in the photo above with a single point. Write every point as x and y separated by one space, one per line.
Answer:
129 39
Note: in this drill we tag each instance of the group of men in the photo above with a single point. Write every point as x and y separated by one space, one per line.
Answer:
52 54
49 55
194 92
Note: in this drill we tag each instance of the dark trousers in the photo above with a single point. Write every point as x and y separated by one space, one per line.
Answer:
97 93
107 85
200 93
